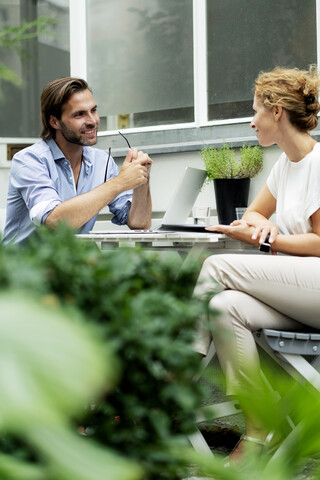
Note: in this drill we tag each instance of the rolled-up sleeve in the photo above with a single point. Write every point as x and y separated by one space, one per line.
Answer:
120 208
31 180
39 213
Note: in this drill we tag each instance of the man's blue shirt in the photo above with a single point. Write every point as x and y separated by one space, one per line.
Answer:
41 178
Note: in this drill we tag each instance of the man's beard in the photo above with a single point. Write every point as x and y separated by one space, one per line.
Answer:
73 137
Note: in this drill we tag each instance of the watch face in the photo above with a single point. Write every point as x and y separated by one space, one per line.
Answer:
264 247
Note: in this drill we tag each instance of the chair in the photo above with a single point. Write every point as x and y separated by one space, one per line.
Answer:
298 353
290 349
210 412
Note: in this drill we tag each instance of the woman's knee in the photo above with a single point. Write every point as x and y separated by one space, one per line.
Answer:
230 308
214 263
209 277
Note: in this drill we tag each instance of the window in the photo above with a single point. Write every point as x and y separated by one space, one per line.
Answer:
40 61
140 61
245 37
141 56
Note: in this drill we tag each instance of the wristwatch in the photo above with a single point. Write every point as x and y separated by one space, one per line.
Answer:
265 246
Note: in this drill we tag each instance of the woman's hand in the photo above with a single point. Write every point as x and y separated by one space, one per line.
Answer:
258 213
248 232
238 230
262 229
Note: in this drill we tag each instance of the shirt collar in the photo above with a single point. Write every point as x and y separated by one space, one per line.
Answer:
58 155
87 156
55 150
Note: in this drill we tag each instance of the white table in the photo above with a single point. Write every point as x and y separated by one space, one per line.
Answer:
189 245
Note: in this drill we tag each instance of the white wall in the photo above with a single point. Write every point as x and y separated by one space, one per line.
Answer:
4 179
167 170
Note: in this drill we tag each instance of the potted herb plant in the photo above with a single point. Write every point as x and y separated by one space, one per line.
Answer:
231 176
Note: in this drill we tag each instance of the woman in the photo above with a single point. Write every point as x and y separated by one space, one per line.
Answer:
271 291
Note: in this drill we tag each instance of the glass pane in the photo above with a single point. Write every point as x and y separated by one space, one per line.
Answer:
245 37
39 61
140 61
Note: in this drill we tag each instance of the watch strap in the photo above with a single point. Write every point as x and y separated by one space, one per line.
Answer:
265 246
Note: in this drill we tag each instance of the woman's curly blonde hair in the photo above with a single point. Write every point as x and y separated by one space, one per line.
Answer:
295 90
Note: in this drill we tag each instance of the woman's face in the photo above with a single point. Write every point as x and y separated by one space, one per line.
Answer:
264 124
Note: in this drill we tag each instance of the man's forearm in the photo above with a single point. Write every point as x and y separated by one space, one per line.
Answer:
80 209
141 208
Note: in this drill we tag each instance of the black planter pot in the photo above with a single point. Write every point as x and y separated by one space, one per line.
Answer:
230 193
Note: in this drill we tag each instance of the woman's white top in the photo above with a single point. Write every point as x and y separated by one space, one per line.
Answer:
296 187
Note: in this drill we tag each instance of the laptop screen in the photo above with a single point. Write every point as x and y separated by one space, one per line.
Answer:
184 196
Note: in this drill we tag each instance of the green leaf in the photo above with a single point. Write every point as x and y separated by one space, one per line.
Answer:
9 75
11 468
71 457
50 365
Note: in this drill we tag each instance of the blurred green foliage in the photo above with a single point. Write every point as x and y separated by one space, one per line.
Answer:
49 361
12 39
104 340
294 454
142 309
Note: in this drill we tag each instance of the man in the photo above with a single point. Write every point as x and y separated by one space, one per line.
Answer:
62 178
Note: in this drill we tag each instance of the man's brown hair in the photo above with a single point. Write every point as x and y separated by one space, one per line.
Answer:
54 96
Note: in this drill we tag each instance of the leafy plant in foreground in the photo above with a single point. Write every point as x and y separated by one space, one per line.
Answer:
49 361
143 310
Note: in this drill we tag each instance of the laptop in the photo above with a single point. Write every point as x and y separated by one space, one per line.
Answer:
182 201
180 205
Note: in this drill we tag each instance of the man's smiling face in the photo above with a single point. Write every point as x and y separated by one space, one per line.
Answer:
79 119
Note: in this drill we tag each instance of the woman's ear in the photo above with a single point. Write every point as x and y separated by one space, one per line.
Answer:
277 112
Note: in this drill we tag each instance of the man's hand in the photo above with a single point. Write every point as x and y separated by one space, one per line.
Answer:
141 155
135 170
